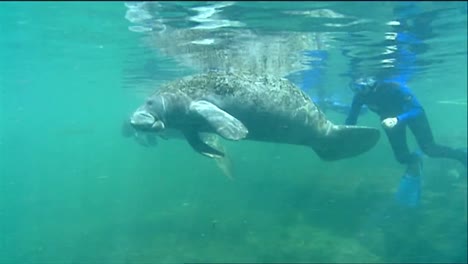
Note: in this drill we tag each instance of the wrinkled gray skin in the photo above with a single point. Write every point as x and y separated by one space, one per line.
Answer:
243 106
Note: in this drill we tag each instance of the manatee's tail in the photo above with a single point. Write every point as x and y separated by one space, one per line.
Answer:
345 142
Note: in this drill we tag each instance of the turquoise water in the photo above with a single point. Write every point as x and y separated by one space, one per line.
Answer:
73 190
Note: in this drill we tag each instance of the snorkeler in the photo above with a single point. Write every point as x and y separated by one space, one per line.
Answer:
398 108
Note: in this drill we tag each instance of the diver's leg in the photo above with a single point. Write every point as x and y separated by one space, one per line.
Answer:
423 133
397 138
409 190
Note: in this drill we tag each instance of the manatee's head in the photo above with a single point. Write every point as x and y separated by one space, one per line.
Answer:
150 116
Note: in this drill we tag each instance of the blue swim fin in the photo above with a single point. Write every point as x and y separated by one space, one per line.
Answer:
409 191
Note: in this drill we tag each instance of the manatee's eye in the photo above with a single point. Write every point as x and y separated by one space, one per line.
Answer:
149 102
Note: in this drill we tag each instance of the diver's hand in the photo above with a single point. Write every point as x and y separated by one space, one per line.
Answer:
390 122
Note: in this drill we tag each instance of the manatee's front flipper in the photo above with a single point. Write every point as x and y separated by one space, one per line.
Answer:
224 163
200 146
225 124
345 142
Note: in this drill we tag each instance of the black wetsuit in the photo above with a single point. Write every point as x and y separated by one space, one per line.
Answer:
392 99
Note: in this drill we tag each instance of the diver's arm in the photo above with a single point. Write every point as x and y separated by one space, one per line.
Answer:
412 108
354 112
406 101
414 112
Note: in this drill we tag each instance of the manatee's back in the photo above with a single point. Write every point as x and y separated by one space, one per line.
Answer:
254 93
260 91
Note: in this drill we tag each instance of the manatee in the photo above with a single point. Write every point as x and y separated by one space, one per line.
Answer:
245 106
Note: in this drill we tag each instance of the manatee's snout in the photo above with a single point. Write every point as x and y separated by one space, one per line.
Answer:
143 120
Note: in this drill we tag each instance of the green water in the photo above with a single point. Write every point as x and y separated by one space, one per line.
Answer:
73 190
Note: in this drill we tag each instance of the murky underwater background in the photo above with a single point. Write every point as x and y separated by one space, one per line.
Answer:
74 190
